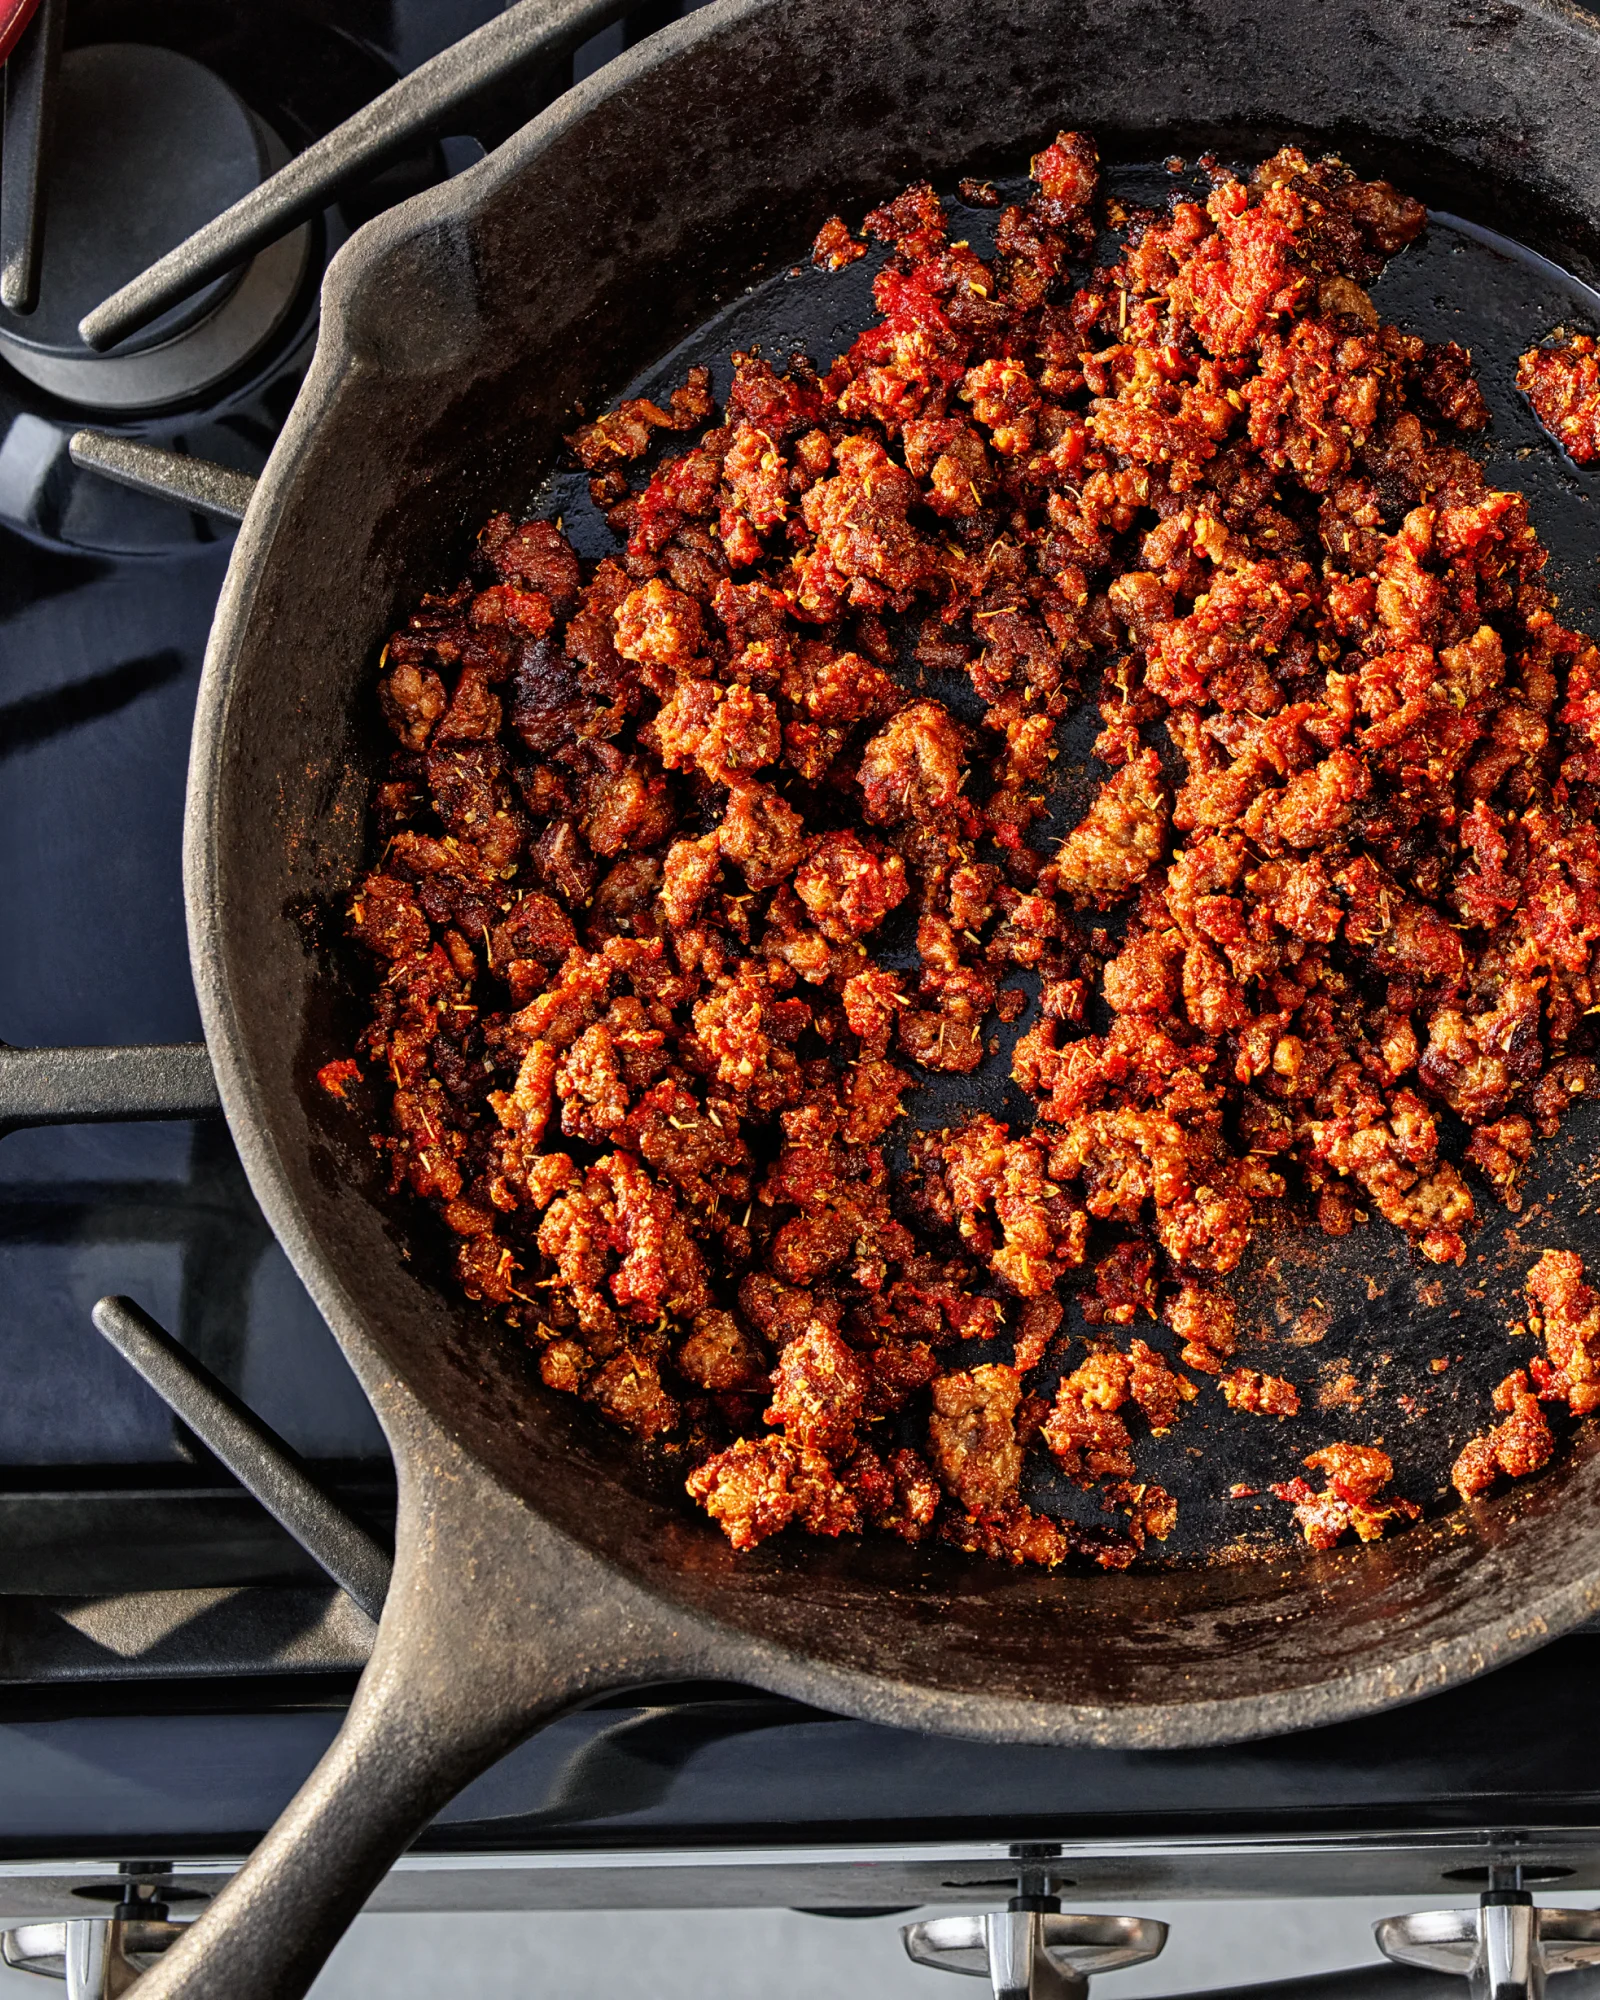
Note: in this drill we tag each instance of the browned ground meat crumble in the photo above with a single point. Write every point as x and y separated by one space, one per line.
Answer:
648 816
1562 382
1567 1312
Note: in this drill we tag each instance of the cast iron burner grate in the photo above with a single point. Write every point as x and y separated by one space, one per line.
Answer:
221 105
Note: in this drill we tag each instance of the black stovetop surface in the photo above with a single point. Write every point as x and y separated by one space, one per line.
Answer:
189 1770
171 1666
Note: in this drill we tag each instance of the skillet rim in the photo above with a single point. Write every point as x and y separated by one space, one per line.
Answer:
1430 1665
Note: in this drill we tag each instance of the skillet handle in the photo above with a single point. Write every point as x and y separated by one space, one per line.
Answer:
464 1668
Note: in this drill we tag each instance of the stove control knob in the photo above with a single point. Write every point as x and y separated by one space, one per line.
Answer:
98 1957
1034 1953
1505 1949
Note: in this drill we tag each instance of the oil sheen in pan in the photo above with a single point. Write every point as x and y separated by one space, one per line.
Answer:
1353 1323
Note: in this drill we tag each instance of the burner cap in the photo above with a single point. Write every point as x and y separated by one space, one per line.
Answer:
148 145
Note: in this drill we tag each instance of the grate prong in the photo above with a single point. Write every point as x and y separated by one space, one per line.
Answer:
214 490
257 1457
30 80
100 1086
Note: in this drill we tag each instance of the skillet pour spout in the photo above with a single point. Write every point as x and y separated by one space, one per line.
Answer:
537 1563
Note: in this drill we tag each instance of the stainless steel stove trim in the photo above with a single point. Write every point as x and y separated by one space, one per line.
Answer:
1401 1864
1404 1864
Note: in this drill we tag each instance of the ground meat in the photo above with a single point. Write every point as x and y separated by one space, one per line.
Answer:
1567 1312
1151 1510
835 246
1515 1447
761 834
1562 382
1119 840
625 433
760 1485
1204 1321
1271 1394
1353 1476
692 869
849 888
1353 1472
1013 1534
1089 1440
913 769
1500 1152
720 1354
819 1391
628 1390
972 1436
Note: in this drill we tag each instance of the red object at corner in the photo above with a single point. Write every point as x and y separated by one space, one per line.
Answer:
14 17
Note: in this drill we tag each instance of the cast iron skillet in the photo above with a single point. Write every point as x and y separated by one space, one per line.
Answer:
536 1565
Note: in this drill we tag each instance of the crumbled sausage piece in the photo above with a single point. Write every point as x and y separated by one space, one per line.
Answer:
819 1391
849 887
835 246
1156 1388
761 834
1354 1475
1204 1321
413 700
687 877
339 1078
536 555
914 1504
912 769
592 1087
1246 1389
625 433
1519 1445
1089 1440
659 627
1353 1471
1500 1152
972 1436
1120 839
720 1354
628 1390
1012 1534
1151 1510
1037 1325
1562 382
1124 1284
873 1099
761 1485
1567 1312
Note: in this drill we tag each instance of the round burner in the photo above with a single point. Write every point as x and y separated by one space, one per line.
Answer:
148 145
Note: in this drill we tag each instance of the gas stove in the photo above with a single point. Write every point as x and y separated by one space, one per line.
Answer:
173 1661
